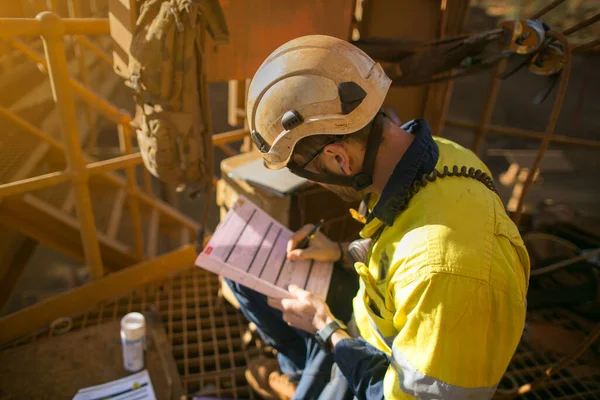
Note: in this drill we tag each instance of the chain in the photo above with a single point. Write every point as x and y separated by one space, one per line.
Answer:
472 173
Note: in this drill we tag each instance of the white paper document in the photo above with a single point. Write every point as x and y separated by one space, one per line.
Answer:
133 387
249 247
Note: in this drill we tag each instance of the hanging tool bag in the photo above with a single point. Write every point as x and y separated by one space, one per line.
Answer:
167 72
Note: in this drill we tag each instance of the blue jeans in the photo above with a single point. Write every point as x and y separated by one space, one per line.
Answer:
300 356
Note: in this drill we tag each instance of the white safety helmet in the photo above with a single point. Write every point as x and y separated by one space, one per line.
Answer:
313 85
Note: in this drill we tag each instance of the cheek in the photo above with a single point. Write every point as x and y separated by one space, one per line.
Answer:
329 164
356 156
355 163
346 194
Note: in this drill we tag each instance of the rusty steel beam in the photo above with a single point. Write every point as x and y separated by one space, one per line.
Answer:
582 25
488 108
586 46
549 7
565 263
508 131
452 18
560 97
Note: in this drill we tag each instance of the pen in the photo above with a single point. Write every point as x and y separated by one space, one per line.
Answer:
304 243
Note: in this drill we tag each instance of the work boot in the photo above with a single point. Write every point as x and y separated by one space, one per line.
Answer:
264 377
281 385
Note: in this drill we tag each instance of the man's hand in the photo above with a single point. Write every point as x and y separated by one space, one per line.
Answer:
303 310
320 248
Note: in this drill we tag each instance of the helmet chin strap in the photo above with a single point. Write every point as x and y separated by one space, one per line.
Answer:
361 180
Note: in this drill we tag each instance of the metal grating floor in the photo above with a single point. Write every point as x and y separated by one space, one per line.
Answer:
576 381
205 331
206 335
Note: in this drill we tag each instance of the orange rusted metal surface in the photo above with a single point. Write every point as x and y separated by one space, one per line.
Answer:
483 127
562 92
257 27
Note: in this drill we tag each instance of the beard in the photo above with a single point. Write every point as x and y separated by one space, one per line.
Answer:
347 194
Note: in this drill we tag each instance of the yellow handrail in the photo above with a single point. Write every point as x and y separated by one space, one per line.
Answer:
53 30
228 137
34 183
9 189
99 167
83 74
28 51
35 27
113 164
95 49
108 110
5 113
81 298
132 189
87 26
19 27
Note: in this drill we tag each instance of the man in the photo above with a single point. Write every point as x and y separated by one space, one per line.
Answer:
441 303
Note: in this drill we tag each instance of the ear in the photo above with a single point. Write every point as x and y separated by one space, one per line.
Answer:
337 158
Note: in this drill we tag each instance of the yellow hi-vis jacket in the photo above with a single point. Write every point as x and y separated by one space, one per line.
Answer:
449 307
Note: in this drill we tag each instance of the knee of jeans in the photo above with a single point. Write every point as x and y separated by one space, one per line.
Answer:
334 370
321 368
241 290
232 285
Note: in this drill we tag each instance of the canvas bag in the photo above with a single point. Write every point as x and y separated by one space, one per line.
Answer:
167 74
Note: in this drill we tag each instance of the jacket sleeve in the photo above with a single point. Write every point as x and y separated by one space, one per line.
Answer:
363 366
455 337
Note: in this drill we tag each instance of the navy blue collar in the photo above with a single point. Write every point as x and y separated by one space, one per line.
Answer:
420 158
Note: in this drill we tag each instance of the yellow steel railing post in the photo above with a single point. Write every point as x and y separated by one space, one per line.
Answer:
147 181
132 188
53 6
53 28
84 76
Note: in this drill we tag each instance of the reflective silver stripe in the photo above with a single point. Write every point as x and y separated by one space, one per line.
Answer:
421 386
389 341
